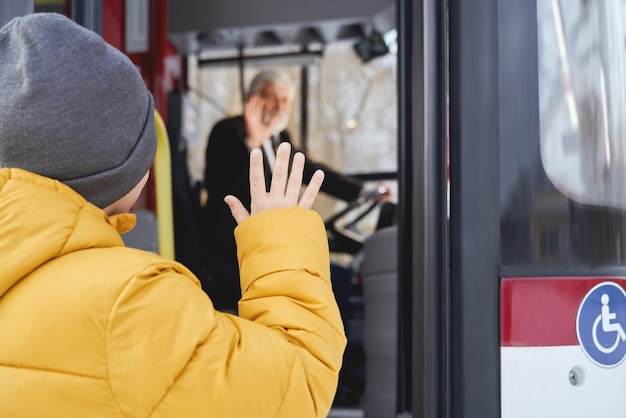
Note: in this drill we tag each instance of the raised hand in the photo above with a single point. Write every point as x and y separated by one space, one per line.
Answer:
285 188
257 130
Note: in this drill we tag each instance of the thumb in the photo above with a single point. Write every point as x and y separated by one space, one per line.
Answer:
237 209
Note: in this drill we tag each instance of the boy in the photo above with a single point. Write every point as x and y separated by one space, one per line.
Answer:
90 328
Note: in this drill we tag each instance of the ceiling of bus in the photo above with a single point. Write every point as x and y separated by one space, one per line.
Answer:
196 26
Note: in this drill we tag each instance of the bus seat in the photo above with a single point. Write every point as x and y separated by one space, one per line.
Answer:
380 294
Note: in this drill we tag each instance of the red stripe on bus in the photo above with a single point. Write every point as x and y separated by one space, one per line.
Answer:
541 311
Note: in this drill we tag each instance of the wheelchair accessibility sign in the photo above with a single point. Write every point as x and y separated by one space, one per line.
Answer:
601 324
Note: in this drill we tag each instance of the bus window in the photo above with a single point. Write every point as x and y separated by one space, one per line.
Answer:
352 108
562 114
582 98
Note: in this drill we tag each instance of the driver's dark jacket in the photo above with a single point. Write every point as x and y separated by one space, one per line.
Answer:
227 172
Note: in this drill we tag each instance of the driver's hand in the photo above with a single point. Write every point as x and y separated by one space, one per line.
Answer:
386 193
285 188
257 130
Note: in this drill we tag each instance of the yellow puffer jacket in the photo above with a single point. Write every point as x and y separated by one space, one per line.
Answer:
90 328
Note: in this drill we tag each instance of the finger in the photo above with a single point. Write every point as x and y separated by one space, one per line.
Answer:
237 209
253 98
294 183
310 193
259 102
281 170
250 104
254 105
257 180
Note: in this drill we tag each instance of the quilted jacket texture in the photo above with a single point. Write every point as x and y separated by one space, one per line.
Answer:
91 328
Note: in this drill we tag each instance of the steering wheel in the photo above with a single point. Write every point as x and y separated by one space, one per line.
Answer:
343 235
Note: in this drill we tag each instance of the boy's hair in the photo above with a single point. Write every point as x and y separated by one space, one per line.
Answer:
73 108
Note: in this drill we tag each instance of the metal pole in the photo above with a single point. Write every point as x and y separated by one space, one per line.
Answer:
424 290
405 215
474 198
242 86
304 105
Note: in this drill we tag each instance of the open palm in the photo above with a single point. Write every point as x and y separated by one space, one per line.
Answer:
285 188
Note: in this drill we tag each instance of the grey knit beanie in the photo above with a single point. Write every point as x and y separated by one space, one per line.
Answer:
73 108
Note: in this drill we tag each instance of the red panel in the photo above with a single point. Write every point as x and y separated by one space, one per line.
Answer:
151 63
113 23
542 311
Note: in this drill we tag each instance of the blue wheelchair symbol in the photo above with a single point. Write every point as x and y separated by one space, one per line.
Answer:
600 324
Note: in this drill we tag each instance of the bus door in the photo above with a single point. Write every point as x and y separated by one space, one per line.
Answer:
562 138
520 309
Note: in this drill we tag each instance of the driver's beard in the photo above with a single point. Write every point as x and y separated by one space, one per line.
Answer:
281 125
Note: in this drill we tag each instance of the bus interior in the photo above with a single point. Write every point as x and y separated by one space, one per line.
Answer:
342 58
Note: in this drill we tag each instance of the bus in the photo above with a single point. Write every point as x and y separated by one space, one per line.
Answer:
498 291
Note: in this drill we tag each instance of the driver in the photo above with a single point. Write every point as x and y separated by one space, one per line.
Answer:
262 125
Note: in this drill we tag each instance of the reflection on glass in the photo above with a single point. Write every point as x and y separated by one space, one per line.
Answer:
582 87
562 136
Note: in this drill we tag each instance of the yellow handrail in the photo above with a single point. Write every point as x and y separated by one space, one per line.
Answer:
163 190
